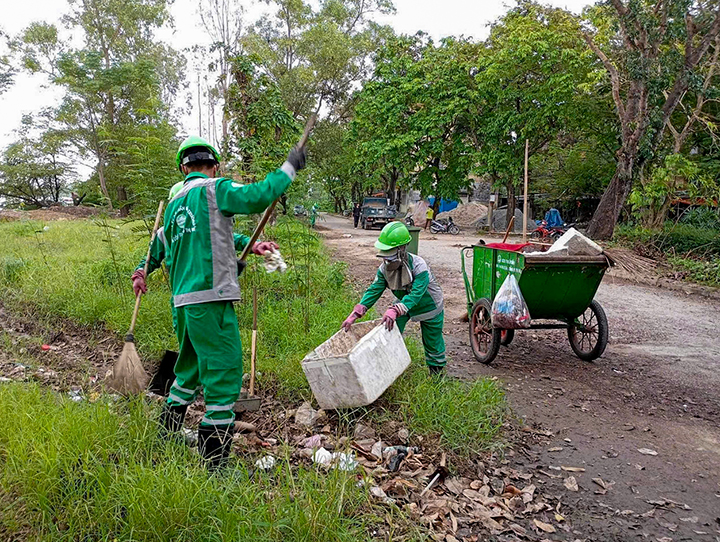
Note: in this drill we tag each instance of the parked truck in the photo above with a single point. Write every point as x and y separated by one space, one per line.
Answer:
376 212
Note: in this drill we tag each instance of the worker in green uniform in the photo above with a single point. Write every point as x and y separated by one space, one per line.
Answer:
157 254
418 295
201 260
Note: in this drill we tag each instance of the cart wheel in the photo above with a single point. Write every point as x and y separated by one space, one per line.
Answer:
589 333
506 336
485 340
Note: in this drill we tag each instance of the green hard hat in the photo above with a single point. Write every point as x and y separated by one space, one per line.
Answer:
393 235
195 141
175 189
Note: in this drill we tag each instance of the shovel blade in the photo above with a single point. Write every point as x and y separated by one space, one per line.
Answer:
165 374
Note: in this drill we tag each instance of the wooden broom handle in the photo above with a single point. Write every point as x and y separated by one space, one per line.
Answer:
268 212
147 263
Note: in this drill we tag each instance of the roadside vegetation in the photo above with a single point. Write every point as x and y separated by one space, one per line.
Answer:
95 469
690 246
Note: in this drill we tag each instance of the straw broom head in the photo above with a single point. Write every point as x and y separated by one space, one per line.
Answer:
128 375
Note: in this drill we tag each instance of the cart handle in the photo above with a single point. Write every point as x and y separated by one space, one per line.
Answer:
468 288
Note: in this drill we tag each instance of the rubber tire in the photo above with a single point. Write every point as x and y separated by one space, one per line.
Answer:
506 336
602 325
536 235
554 236
494 347
434 229
454 229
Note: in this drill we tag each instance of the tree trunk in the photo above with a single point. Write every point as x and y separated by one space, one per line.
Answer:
606 215
103 185
123 199
510 203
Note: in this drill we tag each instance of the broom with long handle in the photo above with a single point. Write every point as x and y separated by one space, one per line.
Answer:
128 375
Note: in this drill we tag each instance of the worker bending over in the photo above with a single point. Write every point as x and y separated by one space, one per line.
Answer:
418 295
201 260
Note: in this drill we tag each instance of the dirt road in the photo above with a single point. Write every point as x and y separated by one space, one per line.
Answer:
657 387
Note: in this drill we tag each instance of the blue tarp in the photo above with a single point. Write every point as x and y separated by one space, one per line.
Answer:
445 205
553 219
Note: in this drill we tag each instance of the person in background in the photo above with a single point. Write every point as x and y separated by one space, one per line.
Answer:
429 215
356 214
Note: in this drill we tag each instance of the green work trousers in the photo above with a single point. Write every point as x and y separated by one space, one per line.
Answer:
432 338
210 356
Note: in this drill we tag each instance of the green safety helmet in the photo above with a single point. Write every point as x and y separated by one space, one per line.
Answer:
393 235
175 189
202 151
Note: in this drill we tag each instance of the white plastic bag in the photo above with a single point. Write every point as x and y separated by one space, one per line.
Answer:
509 310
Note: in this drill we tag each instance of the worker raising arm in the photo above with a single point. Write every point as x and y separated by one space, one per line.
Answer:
418 295
200 254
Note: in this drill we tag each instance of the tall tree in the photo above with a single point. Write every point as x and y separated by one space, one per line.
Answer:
33 170
651 52
120 81
7 71
529 78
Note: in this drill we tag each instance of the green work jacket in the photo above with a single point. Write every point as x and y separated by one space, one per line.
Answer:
198 233
157 250
421 300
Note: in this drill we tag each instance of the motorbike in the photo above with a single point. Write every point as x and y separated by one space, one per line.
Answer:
409 221
444 226
543 232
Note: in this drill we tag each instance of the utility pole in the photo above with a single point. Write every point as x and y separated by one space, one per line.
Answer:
525 198
199 106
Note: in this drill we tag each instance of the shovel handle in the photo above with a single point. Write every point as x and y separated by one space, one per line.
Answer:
147 264
309 125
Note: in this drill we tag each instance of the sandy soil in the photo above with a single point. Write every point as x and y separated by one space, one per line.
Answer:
656 387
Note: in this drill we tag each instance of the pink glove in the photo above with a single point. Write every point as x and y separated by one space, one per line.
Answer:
389 318
261 248
138 280
358 312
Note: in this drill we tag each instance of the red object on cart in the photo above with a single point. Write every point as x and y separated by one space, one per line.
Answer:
508 246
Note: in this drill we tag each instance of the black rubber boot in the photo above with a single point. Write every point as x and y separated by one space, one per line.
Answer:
214 443
171 420
436 370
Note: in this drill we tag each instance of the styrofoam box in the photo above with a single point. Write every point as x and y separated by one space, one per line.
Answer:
353 369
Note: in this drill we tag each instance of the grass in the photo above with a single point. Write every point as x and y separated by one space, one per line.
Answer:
692 249
95 471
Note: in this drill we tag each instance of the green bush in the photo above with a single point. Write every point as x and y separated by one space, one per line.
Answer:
702 217
704 272
672 239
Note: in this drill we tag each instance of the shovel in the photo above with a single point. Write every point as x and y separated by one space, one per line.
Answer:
248 401
128 375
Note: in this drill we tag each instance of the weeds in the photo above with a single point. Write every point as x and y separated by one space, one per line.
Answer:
82 471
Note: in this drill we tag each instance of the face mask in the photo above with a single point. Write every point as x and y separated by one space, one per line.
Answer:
393 264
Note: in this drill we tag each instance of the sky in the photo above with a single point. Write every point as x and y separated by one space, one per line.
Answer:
438 18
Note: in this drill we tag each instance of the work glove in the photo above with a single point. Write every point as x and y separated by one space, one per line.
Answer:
358 312
138 280
389 318
260 248
296 158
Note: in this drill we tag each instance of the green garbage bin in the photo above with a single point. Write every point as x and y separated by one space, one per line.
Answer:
415 239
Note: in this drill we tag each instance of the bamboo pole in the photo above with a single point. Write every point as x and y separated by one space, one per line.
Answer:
525 198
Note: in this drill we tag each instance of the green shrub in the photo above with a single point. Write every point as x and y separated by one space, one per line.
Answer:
704 272
702 217
672 239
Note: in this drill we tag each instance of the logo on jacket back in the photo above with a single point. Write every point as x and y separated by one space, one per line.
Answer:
184 222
